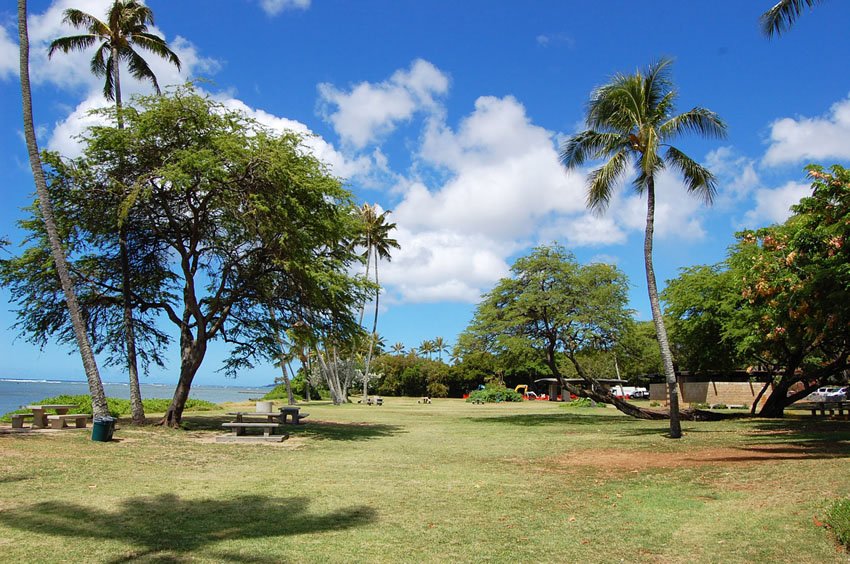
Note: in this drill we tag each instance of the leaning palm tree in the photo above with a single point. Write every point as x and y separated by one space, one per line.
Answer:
783 15
117 40
99 407
630 121
375 239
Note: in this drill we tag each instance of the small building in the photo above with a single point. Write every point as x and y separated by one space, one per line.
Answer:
729 388
555 393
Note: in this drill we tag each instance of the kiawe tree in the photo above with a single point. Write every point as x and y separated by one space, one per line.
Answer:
118 39
632 122
99 407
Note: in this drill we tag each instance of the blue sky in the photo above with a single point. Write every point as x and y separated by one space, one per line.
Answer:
450 114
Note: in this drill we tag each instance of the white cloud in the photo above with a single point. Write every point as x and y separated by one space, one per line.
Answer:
63 138
274 7
372 110
340 165
8 55
774 205
736 174
802 139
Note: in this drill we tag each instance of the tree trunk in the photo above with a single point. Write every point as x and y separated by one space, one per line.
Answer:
99 406
374 334
191 356
657 318
764 388
137 408
282 358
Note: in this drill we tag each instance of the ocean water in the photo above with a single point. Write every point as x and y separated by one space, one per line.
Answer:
15 393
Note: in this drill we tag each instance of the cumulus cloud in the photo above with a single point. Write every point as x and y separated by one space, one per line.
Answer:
274 7
369 110
8 55
736 174
801 139
774 205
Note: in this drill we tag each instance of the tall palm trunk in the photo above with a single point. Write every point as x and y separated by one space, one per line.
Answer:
374 334
362 313
282 358
137 408
660 329
99 407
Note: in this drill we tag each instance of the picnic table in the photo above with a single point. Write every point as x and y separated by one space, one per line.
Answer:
293 413
40 417
824 406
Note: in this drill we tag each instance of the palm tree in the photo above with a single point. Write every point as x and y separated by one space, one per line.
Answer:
398 348
99 407
440 346
126 29
427 348
782 16
376 240
630 119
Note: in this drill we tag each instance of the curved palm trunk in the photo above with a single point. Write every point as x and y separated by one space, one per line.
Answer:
137 408
99 407
283 361
374 329
660 329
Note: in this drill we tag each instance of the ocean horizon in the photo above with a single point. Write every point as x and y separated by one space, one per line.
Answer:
18 392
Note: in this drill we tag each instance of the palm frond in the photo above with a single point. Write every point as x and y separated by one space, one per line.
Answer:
783 15
698 120
589 144
78 18
157 46
602 181
98 63
698 179
108 84
72 43
658 84
139 68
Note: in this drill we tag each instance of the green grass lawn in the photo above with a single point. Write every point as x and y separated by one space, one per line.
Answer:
403 482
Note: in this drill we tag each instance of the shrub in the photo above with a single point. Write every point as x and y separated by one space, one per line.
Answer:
698 405
117 406
654 404
839 519
719 406
493 393
583 402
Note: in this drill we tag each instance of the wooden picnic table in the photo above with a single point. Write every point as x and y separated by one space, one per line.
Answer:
823 407
39 413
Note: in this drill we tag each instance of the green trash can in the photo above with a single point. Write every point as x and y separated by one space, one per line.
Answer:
102 429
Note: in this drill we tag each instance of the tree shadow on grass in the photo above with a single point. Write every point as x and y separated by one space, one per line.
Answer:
312 429
167 528
553 419
829 437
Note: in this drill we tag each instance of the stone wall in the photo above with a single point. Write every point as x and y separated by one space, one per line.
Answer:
728 393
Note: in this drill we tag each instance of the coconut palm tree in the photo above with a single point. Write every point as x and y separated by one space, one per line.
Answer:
375 239
99 408
783 15
125 30
398 348
440 346
427 348
631 120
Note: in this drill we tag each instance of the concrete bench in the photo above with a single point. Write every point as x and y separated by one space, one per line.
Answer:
18 419
239 427
294 413
60 421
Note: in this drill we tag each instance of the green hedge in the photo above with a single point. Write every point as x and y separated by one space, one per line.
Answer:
839 519
117 406
583 402
494 394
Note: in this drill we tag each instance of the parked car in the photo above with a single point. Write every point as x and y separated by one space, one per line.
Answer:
829 393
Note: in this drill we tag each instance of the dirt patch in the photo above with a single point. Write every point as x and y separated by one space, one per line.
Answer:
634 460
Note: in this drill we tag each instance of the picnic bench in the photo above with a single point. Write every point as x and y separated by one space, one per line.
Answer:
18 419
293 413
824 406
39 413
240 426
61 421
